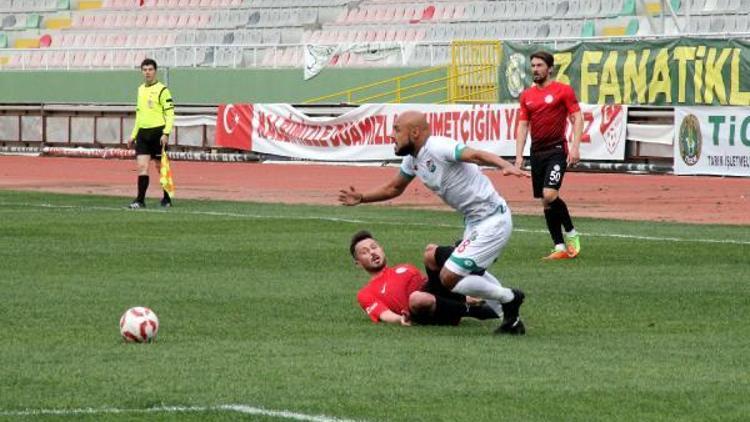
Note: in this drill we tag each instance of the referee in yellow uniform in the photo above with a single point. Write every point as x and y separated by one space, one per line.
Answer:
154 118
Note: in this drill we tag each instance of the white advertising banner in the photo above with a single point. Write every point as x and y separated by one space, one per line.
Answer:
712 140
363 133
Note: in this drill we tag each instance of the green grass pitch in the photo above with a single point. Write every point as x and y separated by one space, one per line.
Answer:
257 307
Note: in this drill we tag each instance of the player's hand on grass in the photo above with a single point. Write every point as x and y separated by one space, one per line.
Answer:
350 197
405 320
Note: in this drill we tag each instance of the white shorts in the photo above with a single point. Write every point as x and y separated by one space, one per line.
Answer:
482 244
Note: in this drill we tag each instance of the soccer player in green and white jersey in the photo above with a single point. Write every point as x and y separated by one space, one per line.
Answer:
451 170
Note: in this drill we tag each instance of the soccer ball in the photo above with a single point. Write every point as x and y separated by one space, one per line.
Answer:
139 325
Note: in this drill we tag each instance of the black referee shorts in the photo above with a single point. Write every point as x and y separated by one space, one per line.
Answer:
148 142
547 170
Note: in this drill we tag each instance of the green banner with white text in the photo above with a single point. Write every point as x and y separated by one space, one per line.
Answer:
687 71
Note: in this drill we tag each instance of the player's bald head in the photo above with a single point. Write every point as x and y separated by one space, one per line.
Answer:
410 130
412 119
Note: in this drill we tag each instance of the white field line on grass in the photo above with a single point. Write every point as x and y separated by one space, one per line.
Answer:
356 221
236 408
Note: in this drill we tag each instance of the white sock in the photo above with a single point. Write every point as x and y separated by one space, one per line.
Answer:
560 247
478 286
494 304
571 233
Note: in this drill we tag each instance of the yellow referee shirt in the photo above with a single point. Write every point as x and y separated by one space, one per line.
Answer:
154 108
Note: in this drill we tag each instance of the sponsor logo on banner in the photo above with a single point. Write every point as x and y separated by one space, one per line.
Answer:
712 140
691 140
363 134
515 74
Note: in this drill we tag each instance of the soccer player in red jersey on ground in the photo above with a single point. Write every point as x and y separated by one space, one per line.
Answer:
545 109
401 294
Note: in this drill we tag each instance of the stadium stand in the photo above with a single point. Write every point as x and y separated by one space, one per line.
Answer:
271 33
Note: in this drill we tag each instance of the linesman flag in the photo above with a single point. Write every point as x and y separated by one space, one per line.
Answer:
165 178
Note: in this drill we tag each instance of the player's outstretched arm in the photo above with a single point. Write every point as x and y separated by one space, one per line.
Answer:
392 189
471 155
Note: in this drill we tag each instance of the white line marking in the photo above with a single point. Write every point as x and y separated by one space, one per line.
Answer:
238 408
356 221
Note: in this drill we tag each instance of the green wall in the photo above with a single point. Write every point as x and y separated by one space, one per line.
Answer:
68 86
188 86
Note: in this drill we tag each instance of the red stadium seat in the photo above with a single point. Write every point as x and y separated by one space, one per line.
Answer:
427 14
45 41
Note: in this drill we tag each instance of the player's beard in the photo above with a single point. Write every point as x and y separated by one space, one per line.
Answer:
407 149
539 79
376 268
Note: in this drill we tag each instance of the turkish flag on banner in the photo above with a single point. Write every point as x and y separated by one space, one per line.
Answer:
233 126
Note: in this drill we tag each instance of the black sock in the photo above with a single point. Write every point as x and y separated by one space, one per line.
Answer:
562 211
483 312
449 311
142 188
166 198
553 225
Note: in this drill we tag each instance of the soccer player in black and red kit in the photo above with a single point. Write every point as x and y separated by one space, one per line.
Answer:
545 109
401 294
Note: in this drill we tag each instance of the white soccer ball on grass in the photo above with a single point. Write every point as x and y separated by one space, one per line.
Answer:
139 325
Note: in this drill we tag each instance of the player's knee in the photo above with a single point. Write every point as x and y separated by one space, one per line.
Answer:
421 302
429 257
548 197
448 278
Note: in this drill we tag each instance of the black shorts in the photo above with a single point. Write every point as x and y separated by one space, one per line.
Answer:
148 142
436 288
547 170
433 284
